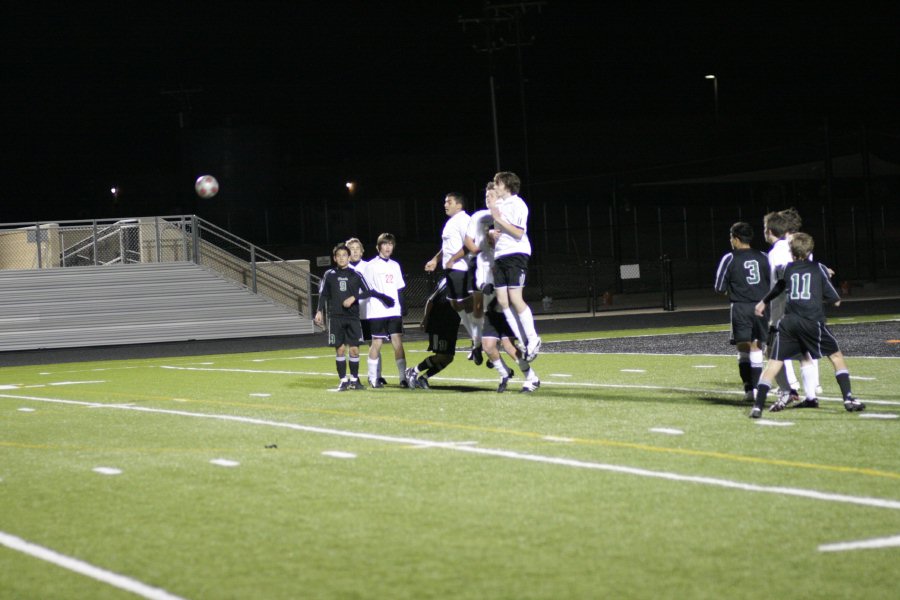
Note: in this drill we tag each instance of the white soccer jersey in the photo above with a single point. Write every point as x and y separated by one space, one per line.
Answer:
364 303
383 276
515 211
779 256
453 238
479 225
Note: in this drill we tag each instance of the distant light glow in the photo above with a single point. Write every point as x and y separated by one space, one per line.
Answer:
351 186
710 77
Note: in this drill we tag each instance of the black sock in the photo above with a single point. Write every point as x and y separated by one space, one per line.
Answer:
755 372
341 363
762 390
746 376
354 367
843 379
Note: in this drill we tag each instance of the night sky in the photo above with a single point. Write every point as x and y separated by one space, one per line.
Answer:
93 92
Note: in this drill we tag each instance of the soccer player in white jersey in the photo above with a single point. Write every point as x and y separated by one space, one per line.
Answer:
512 250
358 264
383 275
775 228
451 257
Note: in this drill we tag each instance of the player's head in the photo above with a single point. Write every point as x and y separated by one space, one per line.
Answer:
490 194
385 244
454 202
507 183
341 255
802 245
775 226
743 232
792 220
356 249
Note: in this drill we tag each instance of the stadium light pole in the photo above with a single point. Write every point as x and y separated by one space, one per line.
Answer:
715 81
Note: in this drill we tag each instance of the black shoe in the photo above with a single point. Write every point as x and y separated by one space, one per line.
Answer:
344 386
381 381
489 364
477 357
375 384
356 384
807 403
851 404
755 412
405 384
502 387
422 383
778 406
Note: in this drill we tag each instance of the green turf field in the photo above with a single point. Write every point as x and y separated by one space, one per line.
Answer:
624 476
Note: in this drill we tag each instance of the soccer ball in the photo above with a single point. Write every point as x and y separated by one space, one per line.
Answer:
206 186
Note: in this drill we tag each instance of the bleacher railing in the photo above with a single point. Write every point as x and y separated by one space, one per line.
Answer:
180 238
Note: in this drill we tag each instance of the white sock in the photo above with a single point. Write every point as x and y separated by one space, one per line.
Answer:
527 320
809 373
501 368
791 376
466 319
477 327
513 322
373 366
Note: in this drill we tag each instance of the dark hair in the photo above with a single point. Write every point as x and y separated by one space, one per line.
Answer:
509 179
338 248
385 238
460 199
792 220
742 231
776 223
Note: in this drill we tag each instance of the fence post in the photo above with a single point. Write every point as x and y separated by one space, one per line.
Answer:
195 239
668 283
253 268
37 244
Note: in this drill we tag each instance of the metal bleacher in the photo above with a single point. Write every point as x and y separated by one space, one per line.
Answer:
135 281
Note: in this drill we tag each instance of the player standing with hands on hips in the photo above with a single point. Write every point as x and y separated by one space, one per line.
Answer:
512 250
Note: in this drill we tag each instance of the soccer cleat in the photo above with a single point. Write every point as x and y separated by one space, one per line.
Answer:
851 404
409 378
375 384
489 364
778 406
381 381
750 395
405 385
422 383
502 387
530 386
344 386
521 348
356 384
534 346
807 403
755 412
475 355
793 396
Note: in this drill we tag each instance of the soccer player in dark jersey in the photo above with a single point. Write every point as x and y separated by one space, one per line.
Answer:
498 335
743 274
339 293
802 328
441 323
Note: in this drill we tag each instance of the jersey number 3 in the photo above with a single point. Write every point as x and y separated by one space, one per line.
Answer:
752 267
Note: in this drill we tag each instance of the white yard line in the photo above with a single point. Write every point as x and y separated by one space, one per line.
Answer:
886 542
496 452
82 568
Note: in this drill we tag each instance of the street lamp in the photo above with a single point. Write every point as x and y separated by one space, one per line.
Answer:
715 95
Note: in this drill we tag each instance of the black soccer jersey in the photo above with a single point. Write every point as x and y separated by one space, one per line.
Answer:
744 274
338 285
807 286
